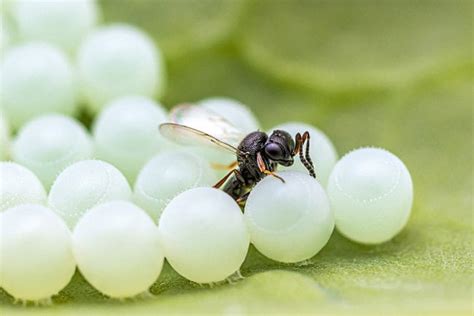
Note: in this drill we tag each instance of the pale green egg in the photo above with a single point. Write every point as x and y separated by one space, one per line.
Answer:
4 138
218 159
36 78
322 150
126 133
119 60
167 175
117 249
35 252
203 234
84 185
61 23
5 35
18 185
233 111
371 194
291 221
50 143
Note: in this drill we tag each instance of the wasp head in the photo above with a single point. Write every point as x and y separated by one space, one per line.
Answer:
280 147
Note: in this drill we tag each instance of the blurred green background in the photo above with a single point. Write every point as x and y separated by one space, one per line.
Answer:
393 74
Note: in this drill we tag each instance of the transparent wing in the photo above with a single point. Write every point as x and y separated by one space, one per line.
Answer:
208 122
186 135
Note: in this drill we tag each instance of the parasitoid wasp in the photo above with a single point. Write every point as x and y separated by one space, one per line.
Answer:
258 154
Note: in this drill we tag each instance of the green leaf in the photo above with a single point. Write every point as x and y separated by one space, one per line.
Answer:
181 27
347 46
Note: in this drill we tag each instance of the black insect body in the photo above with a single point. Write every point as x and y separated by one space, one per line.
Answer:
248 172
258 154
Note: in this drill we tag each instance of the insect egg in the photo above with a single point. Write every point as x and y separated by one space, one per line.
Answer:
291 221
203 235
48 144
19 185
117 249
62 23
105 75
84 185
4 138
5 33
233 111
167 175
371 194
126 133
35 252
30 74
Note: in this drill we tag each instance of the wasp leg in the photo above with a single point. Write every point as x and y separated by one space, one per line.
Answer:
219 166
232 172
298 142
271 173
263 168
241 200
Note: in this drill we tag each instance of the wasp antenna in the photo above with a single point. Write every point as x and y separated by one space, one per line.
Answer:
310 162
298 141
307 165
307 161
307 155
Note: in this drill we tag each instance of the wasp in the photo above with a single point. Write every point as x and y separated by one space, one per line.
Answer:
258 154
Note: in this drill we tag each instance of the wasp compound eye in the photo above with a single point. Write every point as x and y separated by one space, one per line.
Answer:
274 151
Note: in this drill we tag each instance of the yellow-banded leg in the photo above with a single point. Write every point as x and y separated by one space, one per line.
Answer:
263 168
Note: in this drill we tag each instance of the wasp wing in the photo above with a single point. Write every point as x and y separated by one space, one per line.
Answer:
186 135
208 122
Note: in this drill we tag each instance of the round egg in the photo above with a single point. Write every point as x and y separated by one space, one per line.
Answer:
18 185
119 60
371 194
167 175
290 221
37 78
5 34
203 234
4 138
207 121
35 252
61 23
50 143
218 159
126 133
84 185
322 150
117 249
233 111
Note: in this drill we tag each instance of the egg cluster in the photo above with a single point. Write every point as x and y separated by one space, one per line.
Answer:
117 199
